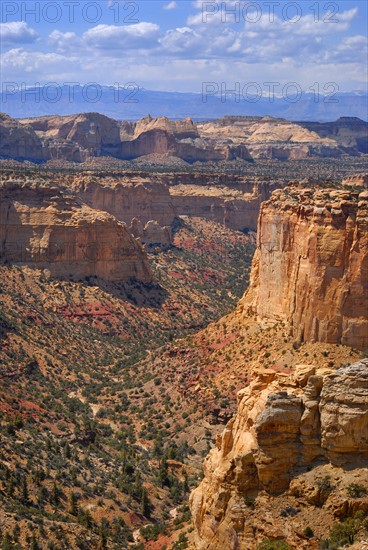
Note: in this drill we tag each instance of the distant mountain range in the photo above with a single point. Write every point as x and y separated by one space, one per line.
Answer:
134 103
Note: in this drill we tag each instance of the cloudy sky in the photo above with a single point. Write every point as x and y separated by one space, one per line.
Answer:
177 45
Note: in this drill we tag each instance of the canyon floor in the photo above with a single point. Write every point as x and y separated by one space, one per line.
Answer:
81 389
113 393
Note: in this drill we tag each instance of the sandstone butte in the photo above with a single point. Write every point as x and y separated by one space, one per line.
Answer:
269 474
47 228
76 138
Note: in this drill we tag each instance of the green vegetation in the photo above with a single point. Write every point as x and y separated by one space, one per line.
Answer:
343 534
86 420
269 544
355 490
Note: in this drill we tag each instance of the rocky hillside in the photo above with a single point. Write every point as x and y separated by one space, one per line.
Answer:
349 132
76 138
291 464
47 227
311 265
292 458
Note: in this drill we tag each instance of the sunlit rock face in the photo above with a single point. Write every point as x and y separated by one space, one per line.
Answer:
311 265
49 229
284 426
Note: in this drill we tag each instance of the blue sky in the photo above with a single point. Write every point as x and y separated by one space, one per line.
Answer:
178 45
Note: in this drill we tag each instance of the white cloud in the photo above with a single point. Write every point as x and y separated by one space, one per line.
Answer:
351 49
182 40
140 35
17 32
19 65
64 41
183 57
170 6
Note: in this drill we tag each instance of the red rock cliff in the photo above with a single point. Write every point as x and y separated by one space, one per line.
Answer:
311 265
50 229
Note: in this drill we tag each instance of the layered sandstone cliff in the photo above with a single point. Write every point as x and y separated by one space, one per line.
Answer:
77 138
47 228
228 207
144 205
269 138
269 475
20 141
149 203
127 198
311 265
284 428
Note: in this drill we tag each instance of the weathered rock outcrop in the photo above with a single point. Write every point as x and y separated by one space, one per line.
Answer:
77 138
348 132
152 233
358 180
311 265
269 138
20 141
145 206
128 198
47 228
177 138
284 426
226 206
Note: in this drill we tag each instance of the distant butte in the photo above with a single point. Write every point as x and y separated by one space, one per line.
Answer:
76 138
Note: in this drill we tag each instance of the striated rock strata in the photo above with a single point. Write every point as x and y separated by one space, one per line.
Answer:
226 206
80 137
311 264
269 138
47 228
145 206
235 203
285 425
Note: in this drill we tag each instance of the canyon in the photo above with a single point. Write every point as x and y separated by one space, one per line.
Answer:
123 374
77 138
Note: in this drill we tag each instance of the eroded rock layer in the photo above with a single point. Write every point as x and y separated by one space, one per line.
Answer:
51 229
284 426
77 138
311 265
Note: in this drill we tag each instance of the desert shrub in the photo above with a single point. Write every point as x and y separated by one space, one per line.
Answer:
355 490
269 544
342 534
308 532
250 502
